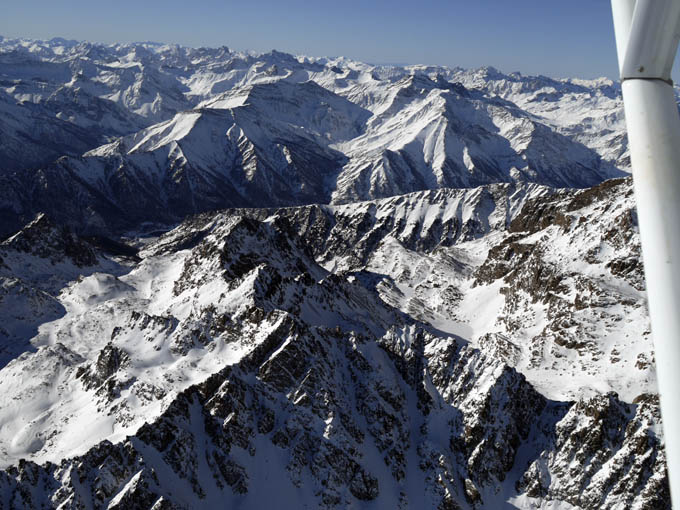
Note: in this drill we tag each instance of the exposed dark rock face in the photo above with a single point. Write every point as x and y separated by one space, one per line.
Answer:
109 361
534 274
44 239
599 455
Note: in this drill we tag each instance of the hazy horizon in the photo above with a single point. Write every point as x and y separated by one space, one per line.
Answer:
560 40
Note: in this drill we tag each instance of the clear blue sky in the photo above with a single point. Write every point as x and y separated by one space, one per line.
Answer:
553 37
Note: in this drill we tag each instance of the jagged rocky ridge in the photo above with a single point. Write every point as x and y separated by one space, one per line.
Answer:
551 279
233 369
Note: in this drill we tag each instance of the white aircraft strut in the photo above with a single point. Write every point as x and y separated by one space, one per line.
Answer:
647 35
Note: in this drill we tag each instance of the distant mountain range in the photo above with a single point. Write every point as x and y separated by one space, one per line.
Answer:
105 138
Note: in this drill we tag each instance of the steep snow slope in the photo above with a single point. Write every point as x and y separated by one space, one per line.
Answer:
154 327
501 266
437 134
588 111
199 160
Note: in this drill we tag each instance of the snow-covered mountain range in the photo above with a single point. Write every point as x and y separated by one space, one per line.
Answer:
243 280
191 130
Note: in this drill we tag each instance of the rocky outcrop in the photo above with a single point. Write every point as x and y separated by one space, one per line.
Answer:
599 455
43 239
